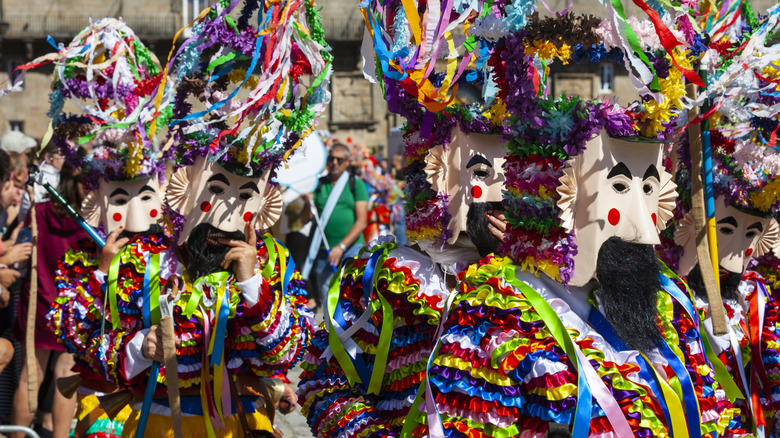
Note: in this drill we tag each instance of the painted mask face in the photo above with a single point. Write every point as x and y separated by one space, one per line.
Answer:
133 205
206 193
740 238
614 188
470 172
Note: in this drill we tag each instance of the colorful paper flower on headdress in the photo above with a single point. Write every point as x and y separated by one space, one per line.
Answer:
536 237
248 89
544 132
109 74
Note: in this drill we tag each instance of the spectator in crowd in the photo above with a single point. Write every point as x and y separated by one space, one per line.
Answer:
59 231
13 254
10 215
341 201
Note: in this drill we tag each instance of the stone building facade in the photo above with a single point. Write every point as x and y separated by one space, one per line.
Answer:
358 109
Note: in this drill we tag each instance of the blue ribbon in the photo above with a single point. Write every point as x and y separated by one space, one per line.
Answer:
364 370
288 274
151 386
50 40
692 413
368 274
584 412
220 329
689 395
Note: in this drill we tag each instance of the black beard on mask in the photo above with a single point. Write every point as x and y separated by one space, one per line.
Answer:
729 283
628 275
204 254
153 229
477 227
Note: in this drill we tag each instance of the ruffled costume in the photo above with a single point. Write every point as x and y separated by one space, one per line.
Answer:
408 290
266 338
76 319
750 335
501 372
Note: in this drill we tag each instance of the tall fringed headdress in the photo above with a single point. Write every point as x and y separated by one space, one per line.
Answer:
110 75
435 64
248 89
744 114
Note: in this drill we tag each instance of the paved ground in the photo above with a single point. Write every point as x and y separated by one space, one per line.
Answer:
293 425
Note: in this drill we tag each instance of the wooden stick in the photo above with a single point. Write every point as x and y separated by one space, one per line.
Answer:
32 307
717 313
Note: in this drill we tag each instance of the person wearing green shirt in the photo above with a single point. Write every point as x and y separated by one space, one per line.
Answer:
344 228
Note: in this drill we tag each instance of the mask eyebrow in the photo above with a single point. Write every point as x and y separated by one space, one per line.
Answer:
619 169
119 191
478 159
757 226
729 220
219 177
146 188
251 186
651 171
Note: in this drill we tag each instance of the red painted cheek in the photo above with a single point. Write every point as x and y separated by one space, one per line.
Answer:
153 213
205 206
476 192
613 217
749 252
654 218
117 217
248 216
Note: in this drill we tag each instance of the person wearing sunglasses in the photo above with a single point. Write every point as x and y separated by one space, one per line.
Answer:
341 201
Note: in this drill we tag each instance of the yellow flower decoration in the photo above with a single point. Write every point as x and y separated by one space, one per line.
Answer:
673 89
548 50
763 200
135 155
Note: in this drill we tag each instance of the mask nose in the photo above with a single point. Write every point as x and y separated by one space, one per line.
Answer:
731 253
138 219
642 229
227 217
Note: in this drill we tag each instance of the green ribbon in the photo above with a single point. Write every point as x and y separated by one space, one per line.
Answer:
415 415
154 289
548 315
338 350
113 274
270 246
221 60
385 338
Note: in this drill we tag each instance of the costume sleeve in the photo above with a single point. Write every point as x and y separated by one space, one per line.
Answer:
271 326
336 406
76 314
118 349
